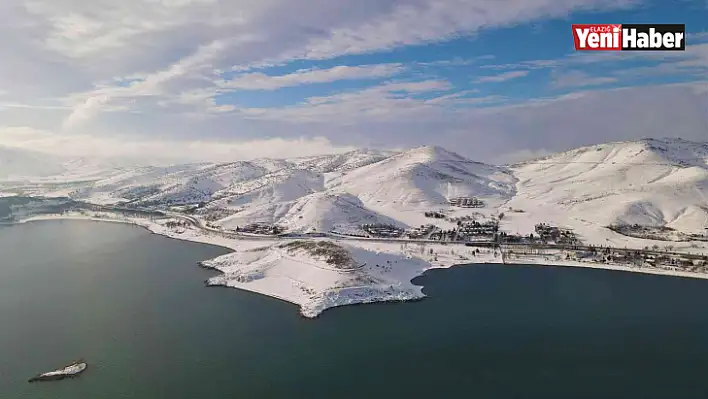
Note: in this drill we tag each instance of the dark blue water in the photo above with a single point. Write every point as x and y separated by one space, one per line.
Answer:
135 306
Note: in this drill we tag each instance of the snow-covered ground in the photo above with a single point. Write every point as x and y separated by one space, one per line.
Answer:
381 271
68 370
648 182
659 183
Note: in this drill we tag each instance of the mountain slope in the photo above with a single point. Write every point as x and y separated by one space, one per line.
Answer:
317 212
425 177
281 186
171 185
25 165
648 182
341 162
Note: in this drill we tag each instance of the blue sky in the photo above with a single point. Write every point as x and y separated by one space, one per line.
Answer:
465 60
217 79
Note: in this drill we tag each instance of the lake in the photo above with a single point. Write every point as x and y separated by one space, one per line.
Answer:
134 305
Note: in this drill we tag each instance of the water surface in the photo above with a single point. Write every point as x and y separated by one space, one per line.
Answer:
135 306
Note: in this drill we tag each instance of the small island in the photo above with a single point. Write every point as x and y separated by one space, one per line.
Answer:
70 371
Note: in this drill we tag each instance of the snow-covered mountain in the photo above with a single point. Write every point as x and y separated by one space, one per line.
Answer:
649 182
18 164
53 175
425 177
342 162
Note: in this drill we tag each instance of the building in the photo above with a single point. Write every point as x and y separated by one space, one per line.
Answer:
467 202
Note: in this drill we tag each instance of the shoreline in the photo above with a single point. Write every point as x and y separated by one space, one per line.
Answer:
610 267
152 228
257 266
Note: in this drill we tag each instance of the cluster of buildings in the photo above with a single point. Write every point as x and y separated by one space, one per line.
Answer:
686 262
699 237
260 228
435 215
467 202
617 256
465 218
381 230
658 233
548 233
420 232
475 229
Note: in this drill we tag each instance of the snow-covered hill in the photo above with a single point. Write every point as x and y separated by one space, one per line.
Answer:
342 162
649 182
24 165
425 177
404 185
19 164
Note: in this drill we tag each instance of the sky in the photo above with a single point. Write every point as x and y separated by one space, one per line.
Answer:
219 80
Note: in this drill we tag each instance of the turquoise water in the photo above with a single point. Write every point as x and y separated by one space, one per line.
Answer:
134 305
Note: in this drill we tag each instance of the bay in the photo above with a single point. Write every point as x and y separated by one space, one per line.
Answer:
134 305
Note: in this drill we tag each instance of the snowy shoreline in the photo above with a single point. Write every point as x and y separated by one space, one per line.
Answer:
384 270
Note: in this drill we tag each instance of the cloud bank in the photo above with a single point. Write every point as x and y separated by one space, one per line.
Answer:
217 79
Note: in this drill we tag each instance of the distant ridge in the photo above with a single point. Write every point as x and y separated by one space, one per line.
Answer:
657 182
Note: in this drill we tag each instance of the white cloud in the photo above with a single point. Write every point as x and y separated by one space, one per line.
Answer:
578 79
387 101
502 77
523 155
33 106
696 36
696 55
594 116
380 118
163 150
137 69
455 62
452 96
82 29
261 81
418 22
99 39
87 105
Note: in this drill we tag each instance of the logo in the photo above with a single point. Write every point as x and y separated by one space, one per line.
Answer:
629 37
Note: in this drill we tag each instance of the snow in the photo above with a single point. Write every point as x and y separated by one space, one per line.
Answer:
68 370
18 164
553 261
384 273
342 162
630 182
661 183
384 269
648 182
425 177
